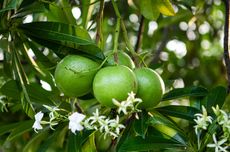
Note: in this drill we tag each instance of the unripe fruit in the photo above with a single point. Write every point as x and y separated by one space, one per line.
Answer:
102 144
123 59
150 87
113 82
74 75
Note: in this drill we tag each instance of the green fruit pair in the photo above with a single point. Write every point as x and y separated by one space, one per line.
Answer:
117 81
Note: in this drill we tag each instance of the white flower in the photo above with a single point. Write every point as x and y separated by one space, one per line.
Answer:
131 98
217 144
75 122
202 120
122 106
37 124
96 117
114 123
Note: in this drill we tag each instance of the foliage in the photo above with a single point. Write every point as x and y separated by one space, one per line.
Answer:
180 39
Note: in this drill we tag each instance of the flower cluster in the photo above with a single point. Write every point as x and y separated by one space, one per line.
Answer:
53 115
202 120
104 124
78 121
223 120
129 105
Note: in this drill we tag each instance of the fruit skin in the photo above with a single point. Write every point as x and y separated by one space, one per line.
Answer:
102 144
123 59
74 75
150 87
113 82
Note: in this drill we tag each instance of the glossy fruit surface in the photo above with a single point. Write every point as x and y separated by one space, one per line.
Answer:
123 59
150 87
113 82
74 75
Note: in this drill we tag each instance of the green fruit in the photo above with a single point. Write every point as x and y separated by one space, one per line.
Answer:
123 59
74 75
113 82
150 87
102 144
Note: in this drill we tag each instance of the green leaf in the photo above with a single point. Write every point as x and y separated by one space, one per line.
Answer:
165 7
74 144
167 127
39 95
11 5
6 128
22 127
62 35
149 143
184 112
140 125
11 89
89 145
51 140
215 97
60 12
193 91
148 9
35 141
30 8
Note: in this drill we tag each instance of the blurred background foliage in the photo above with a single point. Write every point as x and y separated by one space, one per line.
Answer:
186 49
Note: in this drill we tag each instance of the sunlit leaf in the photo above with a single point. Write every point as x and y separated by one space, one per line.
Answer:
165 7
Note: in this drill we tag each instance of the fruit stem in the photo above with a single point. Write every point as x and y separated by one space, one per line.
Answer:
125 35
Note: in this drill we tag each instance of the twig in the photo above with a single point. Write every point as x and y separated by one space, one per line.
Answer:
161 46
226 39
99 36
140 34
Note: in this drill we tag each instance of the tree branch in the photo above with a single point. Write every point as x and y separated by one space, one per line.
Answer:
226 42
99 37
140 34
161 46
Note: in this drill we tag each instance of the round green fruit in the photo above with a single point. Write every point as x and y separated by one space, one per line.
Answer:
102 144
150 87
113 82
123 59
74 75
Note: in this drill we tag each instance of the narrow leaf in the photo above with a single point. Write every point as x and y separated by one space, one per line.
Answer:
183 92
140 125
184 112
215 97
11 5
21 128
63 35
149 143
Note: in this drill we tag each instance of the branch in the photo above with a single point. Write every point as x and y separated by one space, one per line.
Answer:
226 39
161 46
99 37
140 34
